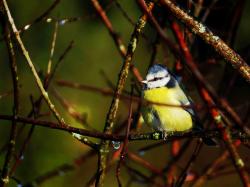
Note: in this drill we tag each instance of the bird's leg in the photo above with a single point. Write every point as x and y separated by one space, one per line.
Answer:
164 135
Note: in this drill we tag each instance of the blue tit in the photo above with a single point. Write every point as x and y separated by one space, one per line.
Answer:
160 86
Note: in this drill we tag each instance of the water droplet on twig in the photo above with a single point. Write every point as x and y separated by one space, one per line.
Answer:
62 22
22 157
26 27
116 144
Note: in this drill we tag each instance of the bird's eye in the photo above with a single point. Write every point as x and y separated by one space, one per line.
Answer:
155 79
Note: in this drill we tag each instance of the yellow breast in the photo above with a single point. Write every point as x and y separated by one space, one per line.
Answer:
165 118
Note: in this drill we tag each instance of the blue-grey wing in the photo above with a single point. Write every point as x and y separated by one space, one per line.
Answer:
187 104
157 125
180 95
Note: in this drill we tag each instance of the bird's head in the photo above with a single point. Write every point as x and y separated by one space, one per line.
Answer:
158 76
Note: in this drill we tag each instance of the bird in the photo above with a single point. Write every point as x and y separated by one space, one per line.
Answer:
162 86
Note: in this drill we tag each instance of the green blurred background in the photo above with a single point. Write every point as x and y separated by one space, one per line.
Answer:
93 51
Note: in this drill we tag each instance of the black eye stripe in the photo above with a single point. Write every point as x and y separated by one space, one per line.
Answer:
158 78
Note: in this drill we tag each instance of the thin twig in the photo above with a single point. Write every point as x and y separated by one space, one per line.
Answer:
235 21
185 171
125 143
214 165
71 110
151 146
124 13
175 158
62 169
117 39
144 163
170 44
52 49
109 92
101 12
175 149
41 17
13 133
141 175
5 94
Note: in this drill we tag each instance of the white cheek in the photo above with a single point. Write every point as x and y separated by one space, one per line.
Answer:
149 77
158 83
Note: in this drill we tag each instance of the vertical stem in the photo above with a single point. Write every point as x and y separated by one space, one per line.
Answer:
184 173
11 147
104 147
125 143
53 43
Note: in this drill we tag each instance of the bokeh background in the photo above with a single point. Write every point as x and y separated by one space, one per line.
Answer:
94 52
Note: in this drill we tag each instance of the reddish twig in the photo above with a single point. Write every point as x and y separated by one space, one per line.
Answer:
124 13
175 149
118 41
125 143
135 172
144 163
5 94
214 165
109 92
158 28
185 171
71 110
